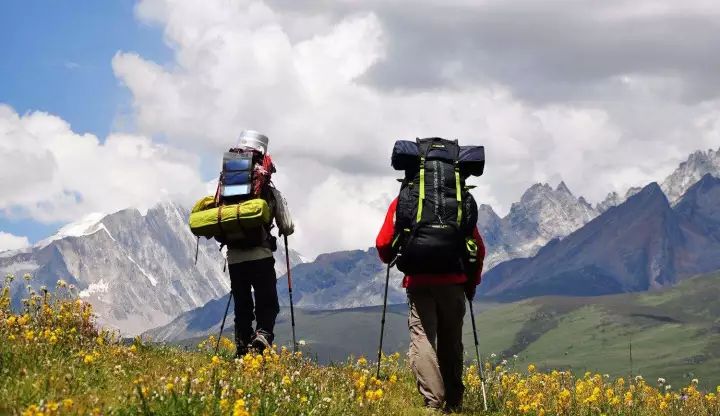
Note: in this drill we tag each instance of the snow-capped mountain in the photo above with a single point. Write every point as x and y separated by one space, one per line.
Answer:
542 214
137 269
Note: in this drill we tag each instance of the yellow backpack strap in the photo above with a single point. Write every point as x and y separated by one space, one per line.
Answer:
458 192
421 198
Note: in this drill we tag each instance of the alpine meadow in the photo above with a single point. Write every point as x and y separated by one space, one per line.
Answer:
271 207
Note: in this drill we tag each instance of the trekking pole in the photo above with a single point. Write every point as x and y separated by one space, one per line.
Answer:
292 310
477 354
222 327
382 322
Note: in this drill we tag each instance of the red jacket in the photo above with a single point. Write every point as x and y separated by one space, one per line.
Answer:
384 247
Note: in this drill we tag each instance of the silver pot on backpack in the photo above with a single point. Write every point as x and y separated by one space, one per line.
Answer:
254 140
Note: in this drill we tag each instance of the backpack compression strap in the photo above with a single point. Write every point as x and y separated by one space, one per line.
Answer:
424 149
422 189
458 187
458 192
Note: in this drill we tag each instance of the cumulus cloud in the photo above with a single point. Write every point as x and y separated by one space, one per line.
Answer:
12 242
50 173
604 96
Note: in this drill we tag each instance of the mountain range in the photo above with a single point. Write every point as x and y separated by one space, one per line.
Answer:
641 244
137 269
545 213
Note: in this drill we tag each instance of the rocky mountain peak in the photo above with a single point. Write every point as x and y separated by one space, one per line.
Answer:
138 269
542 214
562 187
689 172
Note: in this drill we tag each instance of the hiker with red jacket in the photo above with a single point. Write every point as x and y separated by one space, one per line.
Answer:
430 231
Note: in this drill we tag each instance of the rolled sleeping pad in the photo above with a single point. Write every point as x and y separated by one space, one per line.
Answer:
472 160
230 221
406 156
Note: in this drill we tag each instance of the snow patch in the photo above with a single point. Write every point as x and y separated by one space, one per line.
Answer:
13 253
17 268
103 227
151 278
99 287
86 226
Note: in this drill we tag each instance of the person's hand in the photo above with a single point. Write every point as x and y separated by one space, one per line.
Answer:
470 289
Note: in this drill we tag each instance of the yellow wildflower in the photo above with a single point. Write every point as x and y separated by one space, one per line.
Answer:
67 404
224 405
239 408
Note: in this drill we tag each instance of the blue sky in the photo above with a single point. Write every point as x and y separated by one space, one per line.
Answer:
56 57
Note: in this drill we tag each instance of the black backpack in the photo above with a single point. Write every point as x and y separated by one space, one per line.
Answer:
436 214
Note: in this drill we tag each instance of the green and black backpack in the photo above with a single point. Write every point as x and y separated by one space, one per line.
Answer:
436 214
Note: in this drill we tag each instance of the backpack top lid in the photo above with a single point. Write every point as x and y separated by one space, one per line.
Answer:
406 156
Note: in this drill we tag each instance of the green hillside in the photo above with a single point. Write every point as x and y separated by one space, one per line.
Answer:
675 333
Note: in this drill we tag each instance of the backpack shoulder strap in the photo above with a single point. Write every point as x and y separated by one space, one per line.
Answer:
454 148
423 149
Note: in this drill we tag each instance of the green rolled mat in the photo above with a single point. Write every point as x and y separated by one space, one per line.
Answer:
230 221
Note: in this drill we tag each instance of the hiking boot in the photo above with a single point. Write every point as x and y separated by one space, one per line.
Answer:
241 351
242 340
259 343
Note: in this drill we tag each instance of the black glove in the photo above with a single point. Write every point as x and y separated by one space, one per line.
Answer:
470 289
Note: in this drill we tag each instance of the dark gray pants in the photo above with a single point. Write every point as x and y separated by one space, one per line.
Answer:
260 276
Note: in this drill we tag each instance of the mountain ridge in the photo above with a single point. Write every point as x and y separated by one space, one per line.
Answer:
641 244
138 270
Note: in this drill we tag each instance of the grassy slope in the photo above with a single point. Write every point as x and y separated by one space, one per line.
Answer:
54 361
675 333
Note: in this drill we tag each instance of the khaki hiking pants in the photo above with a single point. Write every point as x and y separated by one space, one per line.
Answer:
436 350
